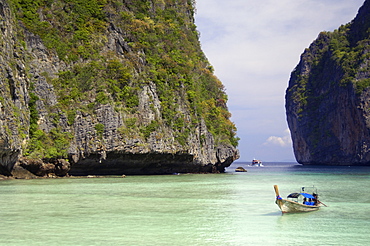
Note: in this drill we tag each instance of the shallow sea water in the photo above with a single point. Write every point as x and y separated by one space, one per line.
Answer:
188 209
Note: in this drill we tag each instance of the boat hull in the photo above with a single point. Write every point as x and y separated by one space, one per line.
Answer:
287 206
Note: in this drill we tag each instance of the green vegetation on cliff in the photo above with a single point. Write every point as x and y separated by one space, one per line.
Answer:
337 53
160 45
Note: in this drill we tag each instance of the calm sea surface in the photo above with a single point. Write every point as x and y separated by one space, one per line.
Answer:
188 209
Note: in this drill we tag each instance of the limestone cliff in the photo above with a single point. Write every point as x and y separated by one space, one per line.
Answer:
114 87
328 97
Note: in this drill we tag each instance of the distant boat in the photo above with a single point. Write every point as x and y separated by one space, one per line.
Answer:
257 163
292 204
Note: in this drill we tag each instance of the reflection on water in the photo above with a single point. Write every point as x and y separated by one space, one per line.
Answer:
223 209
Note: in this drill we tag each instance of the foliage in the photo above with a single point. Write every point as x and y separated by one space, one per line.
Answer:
54 144
100 79
178 68
345 55
71 115
349 55
160 45
147 130
99 128
71 27
34 115
334 59
361 85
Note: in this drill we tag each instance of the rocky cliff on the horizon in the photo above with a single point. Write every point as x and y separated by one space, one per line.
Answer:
328 97
108 87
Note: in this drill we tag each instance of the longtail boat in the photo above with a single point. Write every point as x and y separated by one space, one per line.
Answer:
304 201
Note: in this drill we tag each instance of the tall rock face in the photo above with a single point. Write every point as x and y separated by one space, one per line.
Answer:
328 98
114 87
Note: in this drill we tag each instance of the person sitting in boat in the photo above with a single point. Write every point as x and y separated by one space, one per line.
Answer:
315 199
305 201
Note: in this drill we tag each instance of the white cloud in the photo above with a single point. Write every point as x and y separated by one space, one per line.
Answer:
283 141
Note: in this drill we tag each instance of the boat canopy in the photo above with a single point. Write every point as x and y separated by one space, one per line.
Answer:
308 195
296 195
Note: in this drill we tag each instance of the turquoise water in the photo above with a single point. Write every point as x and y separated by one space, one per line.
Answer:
190 209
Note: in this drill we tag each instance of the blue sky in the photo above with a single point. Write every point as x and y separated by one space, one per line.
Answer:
254 46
